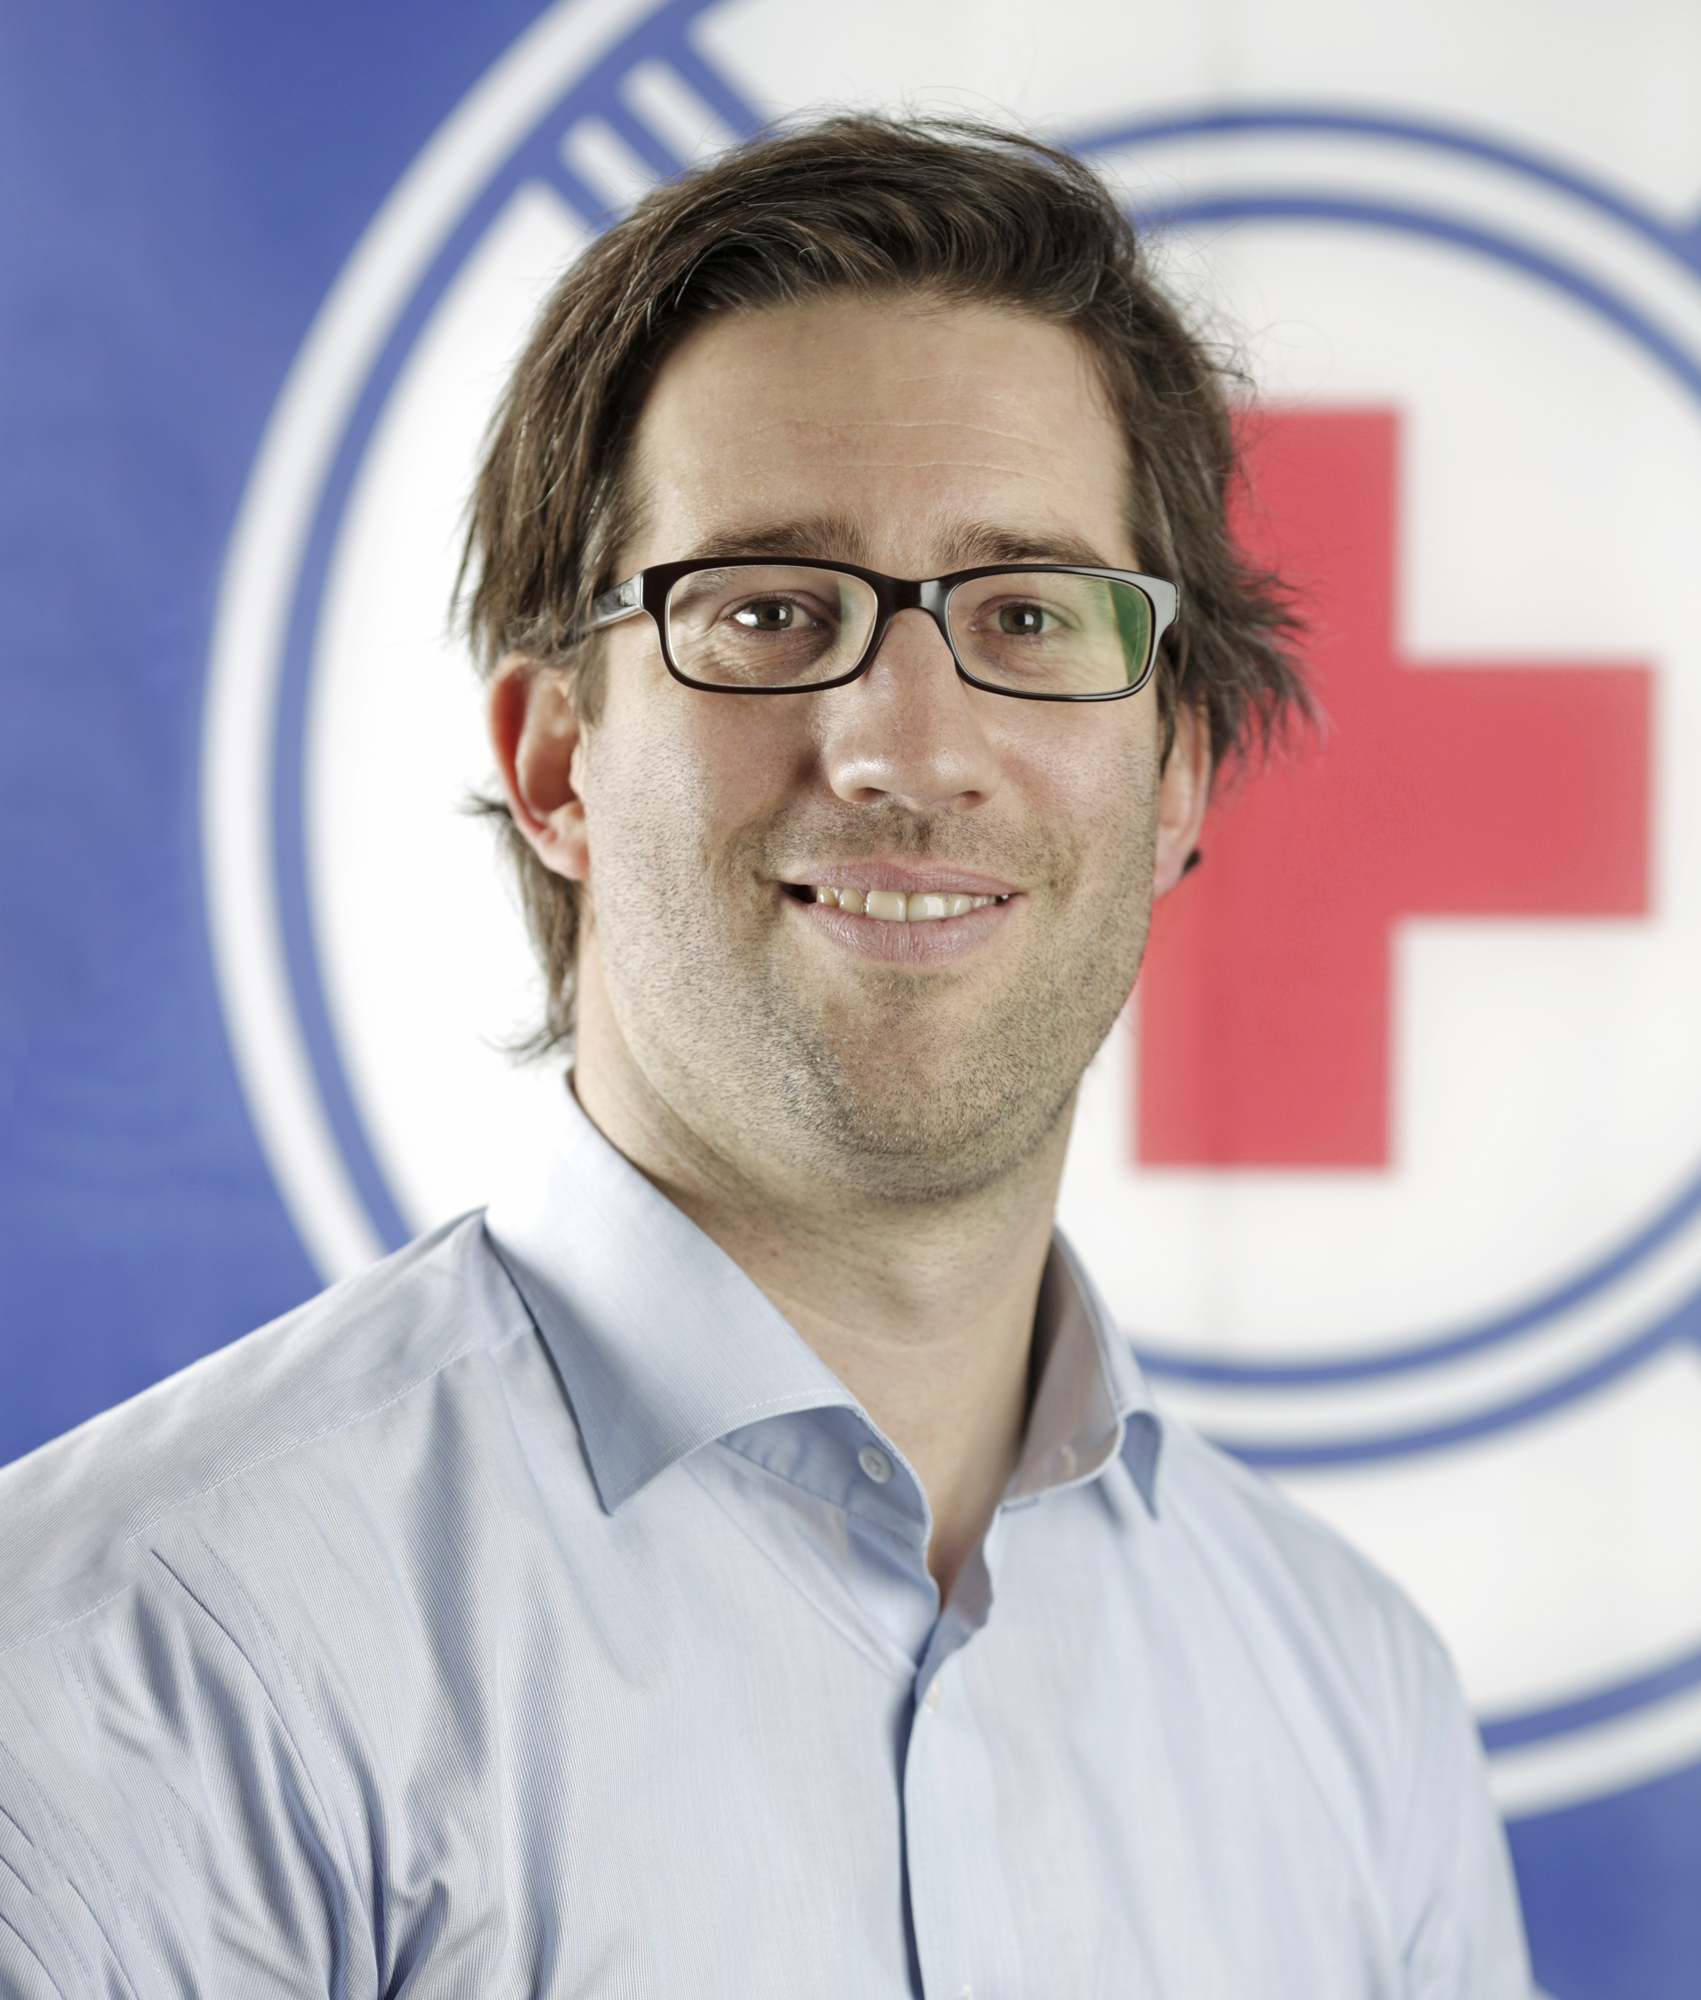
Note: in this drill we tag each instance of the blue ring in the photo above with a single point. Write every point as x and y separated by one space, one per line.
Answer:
663 34
1537 1725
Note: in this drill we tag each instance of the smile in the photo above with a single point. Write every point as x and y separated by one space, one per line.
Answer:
893 906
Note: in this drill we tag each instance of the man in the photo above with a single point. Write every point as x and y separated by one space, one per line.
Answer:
753 1566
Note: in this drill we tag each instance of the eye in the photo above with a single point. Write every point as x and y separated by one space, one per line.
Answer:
1021 621
769 614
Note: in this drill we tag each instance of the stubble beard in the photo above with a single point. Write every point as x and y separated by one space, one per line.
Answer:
875 1087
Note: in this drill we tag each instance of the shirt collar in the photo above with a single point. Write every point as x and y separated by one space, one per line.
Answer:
664 1344
1092 1400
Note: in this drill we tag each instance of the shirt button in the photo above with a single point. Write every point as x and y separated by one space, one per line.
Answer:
875 1463
935 1691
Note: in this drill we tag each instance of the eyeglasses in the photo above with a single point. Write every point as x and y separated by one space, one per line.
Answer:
1039 631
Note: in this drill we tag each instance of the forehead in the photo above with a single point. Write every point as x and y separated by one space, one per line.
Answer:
912 423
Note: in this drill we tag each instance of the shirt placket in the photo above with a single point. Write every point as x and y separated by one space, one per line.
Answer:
962 1917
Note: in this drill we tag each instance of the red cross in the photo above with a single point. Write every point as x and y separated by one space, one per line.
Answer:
1440 789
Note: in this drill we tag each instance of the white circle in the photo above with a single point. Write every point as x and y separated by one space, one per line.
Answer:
425 969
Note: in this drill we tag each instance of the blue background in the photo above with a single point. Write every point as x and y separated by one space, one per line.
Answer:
179 185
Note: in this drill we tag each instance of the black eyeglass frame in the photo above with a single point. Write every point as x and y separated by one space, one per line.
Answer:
648 591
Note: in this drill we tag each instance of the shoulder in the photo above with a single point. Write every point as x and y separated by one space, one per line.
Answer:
1365 1689
222 1610
1286 1572
1335 1643
75 1508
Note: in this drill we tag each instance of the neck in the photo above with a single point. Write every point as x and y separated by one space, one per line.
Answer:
924 1311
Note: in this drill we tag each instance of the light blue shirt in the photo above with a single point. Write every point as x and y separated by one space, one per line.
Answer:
536 1615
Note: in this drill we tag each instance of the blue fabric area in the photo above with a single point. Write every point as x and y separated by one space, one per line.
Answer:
179 185
1609 1893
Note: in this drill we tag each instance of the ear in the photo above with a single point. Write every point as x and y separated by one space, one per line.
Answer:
539 747
1184 791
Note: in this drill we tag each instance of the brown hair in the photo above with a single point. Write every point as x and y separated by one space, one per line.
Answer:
862 204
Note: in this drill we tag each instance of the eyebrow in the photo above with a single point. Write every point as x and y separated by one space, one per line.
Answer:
837 538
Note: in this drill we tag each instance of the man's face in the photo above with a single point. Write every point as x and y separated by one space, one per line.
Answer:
888 1060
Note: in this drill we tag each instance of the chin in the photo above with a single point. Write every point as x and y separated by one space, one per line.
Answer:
907 1130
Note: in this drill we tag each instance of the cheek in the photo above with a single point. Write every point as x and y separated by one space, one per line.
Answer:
744 757
678 778
1095 793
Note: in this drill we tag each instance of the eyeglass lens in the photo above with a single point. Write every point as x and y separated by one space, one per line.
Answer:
768 626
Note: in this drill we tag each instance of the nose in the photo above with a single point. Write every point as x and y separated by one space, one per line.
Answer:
910 730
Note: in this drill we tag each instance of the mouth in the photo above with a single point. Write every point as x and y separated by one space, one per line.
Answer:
893 906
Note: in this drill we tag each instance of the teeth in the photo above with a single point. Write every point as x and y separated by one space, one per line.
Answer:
892 906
